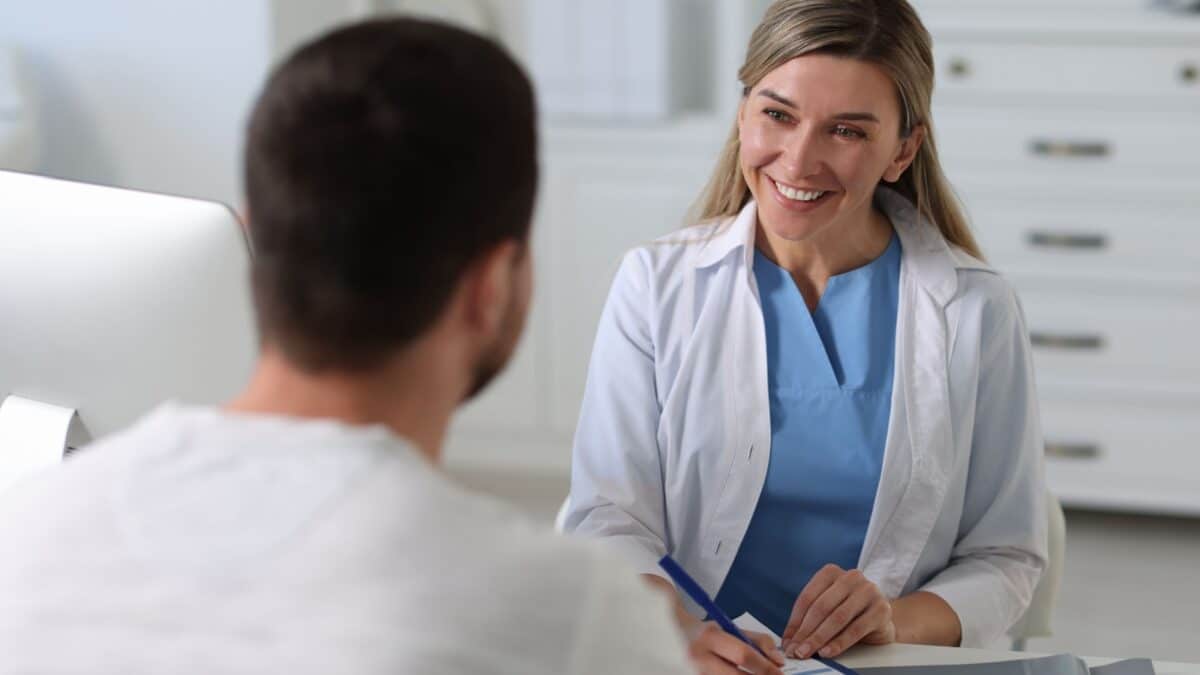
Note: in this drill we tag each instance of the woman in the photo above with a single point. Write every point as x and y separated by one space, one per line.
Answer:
819 400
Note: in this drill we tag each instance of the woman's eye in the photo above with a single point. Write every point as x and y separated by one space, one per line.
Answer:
847 132
777 115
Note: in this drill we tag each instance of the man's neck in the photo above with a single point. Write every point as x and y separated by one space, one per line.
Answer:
397 395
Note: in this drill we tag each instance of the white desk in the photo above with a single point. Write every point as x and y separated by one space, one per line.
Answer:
919 655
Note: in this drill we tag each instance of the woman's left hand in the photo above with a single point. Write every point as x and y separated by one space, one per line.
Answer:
835 611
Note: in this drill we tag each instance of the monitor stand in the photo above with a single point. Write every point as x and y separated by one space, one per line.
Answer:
35 435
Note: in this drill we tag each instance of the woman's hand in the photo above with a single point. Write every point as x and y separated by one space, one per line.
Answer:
715 652
835 611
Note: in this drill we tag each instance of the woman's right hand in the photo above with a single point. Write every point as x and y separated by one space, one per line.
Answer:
715 652
712 650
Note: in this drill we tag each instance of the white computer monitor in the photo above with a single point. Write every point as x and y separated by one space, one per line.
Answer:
111 301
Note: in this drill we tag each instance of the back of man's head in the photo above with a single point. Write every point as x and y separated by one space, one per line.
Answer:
381 161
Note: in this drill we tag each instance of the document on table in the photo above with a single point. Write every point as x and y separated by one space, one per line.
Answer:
1061 664
794 666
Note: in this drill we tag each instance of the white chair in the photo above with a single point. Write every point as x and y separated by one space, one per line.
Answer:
561 518
1037 619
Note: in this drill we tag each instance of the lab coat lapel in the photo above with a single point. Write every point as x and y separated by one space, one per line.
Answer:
919 452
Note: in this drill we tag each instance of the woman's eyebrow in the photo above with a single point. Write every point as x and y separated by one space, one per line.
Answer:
775 96
856 117
845 116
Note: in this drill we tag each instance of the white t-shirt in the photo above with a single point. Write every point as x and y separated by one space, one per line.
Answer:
205 542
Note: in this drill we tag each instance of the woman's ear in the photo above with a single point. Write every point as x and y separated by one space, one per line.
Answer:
909 147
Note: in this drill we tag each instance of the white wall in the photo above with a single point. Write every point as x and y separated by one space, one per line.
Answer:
143 93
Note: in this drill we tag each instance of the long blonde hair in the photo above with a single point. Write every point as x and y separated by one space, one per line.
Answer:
887 33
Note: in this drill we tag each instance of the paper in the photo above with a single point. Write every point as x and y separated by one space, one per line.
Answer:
806 667
1127 667
747 622
1061 664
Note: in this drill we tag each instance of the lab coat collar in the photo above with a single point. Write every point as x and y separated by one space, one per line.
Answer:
733 234
933 261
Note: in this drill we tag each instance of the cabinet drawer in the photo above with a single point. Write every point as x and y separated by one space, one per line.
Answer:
1081 239
1122 452
1147 338
1061 147
1144 75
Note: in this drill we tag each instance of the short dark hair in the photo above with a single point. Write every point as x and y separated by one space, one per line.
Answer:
381 160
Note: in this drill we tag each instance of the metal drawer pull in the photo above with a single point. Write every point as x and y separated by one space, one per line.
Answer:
1048 148
1189 73
1066 240
1071 342
1073 451
960 67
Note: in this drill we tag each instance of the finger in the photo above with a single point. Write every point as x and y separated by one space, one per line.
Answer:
821 609
740 654
711 664
820 582
767 644
854 606
868 622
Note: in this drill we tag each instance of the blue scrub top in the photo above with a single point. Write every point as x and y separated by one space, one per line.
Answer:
829 374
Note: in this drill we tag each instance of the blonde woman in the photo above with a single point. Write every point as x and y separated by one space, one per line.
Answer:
819 399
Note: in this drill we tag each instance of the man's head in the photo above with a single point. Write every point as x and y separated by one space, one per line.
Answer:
390 174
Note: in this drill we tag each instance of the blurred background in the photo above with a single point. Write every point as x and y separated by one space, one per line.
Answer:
1069 127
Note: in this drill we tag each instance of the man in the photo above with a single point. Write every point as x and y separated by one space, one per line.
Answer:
306 526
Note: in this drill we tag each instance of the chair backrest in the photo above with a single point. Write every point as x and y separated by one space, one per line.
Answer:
1038 618
560 520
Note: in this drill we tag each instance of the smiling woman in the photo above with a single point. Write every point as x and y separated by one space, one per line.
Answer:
819 400
812 163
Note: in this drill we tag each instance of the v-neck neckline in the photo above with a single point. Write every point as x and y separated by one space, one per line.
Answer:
833 371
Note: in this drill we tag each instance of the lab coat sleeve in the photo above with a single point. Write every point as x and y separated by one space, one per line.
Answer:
1001 548
616 474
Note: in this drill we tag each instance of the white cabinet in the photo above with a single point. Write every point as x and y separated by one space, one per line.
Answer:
1072 130
619 59
607 186
604 203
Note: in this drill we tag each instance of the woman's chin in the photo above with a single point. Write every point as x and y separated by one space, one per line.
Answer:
791 227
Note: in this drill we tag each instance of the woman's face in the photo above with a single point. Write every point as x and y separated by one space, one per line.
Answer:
818 133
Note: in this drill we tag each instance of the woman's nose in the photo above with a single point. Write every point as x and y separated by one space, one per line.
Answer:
801 154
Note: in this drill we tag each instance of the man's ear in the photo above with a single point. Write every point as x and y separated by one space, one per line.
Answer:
909 147
242 213
491 286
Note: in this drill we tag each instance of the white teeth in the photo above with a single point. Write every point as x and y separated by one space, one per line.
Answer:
797 195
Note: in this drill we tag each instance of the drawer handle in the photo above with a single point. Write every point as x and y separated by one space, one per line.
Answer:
1087 149
1189 73
1073 451
1044 239
1078 343
960 67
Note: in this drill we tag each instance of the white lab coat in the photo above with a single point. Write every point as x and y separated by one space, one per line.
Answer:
673 442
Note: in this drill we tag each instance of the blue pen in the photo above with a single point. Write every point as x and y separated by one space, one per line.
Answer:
689 586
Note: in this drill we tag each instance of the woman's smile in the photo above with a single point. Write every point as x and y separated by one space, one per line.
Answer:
799 199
